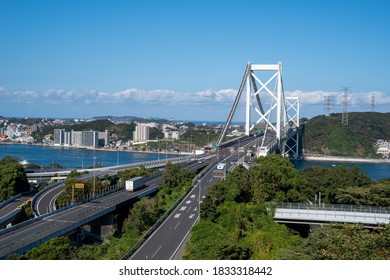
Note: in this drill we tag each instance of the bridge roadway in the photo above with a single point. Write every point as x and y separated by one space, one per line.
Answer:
9 210
44 201
288 212
165 242
24 236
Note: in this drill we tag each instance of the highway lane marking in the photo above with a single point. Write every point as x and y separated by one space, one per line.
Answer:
176 226
156 252
57 220
189 209
23 236
40 198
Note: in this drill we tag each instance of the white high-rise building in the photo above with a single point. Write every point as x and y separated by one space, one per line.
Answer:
77 138
141 133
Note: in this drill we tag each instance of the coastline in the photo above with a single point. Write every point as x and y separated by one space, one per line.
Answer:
100 149
345 159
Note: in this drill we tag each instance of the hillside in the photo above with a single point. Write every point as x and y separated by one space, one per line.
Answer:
326 135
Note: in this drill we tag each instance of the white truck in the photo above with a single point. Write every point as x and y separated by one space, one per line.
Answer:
263 151
135 184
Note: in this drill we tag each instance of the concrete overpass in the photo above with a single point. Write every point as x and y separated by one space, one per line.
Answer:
303 213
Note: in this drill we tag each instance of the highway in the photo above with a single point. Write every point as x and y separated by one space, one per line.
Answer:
167 239
29 234
34 232
44 201
10 210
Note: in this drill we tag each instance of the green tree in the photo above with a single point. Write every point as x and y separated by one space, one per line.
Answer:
58 248
347 242
274 178
142 215
13 179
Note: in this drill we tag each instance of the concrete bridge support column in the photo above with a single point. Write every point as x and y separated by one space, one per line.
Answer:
101 227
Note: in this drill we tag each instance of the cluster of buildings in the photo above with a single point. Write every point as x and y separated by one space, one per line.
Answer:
88 139
17 132
22 132
171 132
383 148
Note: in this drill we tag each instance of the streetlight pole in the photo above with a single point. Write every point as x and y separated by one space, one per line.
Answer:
158 152
94 175
200 188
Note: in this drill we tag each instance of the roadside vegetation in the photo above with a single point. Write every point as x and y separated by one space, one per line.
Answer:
13 179
237 216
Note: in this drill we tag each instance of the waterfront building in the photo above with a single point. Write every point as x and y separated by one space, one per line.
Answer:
90 138
104 138
68 139
141 133
59 135
77 138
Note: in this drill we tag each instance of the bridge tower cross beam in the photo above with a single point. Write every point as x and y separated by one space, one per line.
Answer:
293 119
266 103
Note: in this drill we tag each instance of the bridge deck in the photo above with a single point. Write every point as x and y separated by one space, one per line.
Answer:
297 212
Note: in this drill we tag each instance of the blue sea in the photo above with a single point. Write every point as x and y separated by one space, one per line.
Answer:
75 158
373 170
83 158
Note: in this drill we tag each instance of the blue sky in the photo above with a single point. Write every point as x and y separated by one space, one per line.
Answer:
185 59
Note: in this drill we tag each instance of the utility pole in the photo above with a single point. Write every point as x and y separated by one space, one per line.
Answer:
344 117
373 102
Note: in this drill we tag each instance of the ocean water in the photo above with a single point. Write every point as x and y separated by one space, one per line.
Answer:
83 158
374 170
75 158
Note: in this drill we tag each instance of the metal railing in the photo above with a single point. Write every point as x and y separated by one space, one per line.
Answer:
333 207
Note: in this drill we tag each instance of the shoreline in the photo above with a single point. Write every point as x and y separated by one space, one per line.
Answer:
345 159
99 149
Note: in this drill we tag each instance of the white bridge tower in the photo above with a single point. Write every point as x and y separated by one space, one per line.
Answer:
265 103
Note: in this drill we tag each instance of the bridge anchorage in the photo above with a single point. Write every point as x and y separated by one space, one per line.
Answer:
268 112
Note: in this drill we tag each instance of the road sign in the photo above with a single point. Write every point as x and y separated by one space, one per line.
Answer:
79 186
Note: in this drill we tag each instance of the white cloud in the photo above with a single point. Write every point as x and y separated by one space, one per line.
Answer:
208 98
354 98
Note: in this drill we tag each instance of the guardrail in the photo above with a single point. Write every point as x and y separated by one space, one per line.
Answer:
5 202
333 207
166 214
